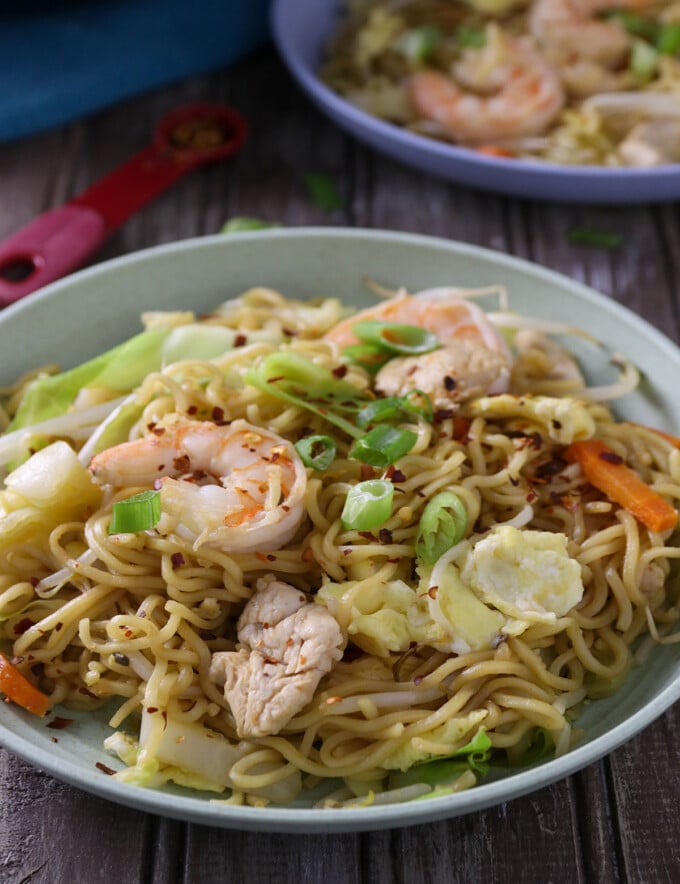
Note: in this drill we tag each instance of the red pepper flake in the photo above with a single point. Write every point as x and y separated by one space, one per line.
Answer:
181 464
33 581
177 559
442 414
105 769
58 723
449 383
84 691
367 535
610 457
307 554
385 535
152 709
54 739
397 476
22 625
367 472
240 340
339 371
261 556
271 557
432 592
461 429
158 431
192 409
531 497
217 414
59 626
550 468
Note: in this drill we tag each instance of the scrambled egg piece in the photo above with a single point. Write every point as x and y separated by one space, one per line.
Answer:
497 587
562 419
382 618
527 575
468 624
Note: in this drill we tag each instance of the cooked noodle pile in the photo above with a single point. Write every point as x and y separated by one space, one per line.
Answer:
135 619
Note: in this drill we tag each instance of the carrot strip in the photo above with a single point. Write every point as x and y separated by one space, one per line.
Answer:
19 690
607 472
494 150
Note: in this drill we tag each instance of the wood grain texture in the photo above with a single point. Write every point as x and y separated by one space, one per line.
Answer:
613 822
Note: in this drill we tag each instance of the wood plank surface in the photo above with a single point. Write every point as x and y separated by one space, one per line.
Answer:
614 822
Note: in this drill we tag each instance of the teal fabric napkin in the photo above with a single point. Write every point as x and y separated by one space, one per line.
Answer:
63 60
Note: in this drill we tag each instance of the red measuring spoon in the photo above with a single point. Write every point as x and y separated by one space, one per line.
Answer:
60 240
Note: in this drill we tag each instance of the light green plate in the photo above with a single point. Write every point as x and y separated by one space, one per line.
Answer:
74 319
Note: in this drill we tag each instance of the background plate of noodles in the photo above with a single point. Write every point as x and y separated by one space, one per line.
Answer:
75 319
302 31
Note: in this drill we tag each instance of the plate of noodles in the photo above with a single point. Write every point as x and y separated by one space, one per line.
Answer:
571 100
325 530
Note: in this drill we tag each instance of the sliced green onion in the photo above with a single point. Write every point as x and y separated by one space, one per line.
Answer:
418 44
295 379
644 60
367 356
668 39
471 38
394 337
442 525
379 411
383 445
368 505
317 452
635 24
393 408
234 225
419 402
323 191
137 513
588 236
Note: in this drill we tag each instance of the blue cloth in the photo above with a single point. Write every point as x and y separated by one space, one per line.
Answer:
61 61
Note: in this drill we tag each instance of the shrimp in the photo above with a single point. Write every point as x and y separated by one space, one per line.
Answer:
439 310
569 29
473 350
236 487
517 93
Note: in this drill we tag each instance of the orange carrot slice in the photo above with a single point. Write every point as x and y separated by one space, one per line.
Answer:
494 150
19 690
607 472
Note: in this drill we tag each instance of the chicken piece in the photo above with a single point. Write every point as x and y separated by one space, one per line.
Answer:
291 644
652 143
461 370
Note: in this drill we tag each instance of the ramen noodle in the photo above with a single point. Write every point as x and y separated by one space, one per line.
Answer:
295 550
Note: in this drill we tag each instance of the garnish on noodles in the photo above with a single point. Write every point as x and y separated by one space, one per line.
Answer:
277 568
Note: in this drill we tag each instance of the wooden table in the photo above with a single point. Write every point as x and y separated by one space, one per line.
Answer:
616 821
